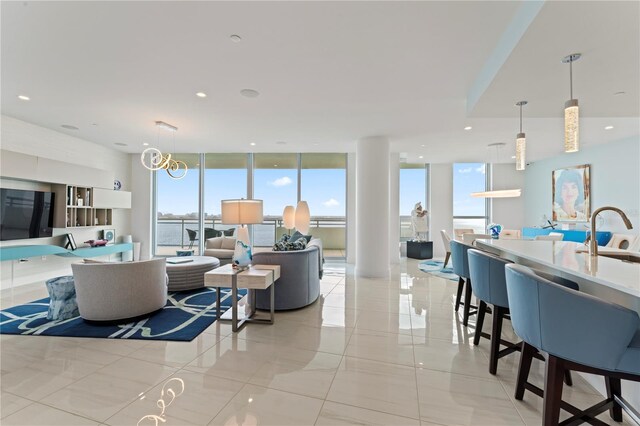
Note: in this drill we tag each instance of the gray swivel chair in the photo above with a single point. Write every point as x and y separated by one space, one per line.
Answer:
578 332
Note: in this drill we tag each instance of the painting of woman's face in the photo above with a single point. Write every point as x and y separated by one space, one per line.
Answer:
571 194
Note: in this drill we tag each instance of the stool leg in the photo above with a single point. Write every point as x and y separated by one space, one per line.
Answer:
446 260
523 370
496 333
459 294
567 378
467 302
614 388
553 382
481 312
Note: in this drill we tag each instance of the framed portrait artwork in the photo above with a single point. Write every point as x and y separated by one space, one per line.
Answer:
571 194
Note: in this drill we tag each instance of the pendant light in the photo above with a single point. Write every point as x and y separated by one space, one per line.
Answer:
571 111
521 143
499 193
153 159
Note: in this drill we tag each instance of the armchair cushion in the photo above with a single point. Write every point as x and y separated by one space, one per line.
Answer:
214 243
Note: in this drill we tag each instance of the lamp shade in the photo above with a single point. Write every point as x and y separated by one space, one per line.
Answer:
237 212
289 217
303 217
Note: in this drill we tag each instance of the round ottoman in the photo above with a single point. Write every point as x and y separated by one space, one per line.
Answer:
62 294
190 275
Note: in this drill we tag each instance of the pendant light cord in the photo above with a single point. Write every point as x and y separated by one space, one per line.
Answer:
571 78
521 118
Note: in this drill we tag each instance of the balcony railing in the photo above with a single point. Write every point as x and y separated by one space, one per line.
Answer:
173 232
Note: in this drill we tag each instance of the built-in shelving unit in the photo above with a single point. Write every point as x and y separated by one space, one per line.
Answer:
81 207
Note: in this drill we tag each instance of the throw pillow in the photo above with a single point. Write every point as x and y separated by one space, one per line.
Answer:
284 238
299 244
279 246
297 235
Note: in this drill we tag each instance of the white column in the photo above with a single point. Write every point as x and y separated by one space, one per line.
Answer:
351 208
372 207
394 207
141 206
441 205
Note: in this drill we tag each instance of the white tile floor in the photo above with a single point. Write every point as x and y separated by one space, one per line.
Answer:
369 351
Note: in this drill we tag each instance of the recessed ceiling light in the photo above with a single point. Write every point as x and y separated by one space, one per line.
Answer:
608 127
120 144
24 98
201 95
252 144
468 128
513 157
421 156
69 126
249 93
422 145
620 93
94 124
281 143
145 144
235 38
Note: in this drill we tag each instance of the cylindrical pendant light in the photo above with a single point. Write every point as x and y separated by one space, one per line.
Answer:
571 111
521 143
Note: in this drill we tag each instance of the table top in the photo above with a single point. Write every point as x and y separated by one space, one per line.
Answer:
565 256
257 277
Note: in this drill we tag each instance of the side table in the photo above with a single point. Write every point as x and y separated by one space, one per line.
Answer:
257 277
420 249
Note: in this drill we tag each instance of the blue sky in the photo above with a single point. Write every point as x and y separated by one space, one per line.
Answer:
468 178
412 189
323 189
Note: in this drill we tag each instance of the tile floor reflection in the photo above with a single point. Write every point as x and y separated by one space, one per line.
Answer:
369 351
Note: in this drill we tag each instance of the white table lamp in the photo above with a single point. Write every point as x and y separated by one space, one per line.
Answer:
242 212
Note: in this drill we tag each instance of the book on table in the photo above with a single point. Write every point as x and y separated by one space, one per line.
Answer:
176 260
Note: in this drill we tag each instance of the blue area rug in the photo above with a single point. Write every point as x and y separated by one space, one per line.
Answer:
186 315
435 267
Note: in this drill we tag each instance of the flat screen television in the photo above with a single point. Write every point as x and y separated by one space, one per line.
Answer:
25 214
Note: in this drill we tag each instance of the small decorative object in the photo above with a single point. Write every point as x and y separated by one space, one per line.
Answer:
495 229
117 185
97 243
87 201
184 253
109 235
68 220
242 256
419 225
80 202
71 242
96 221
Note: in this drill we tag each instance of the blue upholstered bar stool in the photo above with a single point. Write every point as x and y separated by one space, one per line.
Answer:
461 269
578 332
490 287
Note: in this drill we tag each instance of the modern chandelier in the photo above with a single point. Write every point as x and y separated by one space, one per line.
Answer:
521 142
571 111
153 159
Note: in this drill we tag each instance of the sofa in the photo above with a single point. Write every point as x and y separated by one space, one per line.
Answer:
220 247
117 291
300 274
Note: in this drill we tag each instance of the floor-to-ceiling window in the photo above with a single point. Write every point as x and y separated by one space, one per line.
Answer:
225 177
323 183
275 181
177 205
413 189
469 212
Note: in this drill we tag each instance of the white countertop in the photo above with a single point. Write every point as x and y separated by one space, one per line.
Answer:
562 256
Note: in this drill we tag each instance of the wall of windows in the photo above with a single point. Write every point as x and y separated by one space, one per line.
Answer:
277 179
413 189
177 208
470 212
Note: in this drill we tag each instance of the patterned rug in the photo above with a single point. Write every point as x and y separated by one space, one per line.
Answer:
435 267
186 315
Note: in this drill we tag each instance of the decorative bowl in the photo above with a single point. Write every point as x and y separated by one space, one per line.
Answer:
97 243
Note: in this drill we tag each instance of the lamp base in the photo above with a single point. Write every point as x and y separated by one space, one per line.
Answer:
242 256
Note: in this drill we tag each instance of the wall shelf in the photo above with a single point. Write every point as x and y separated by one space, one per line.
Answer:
96 207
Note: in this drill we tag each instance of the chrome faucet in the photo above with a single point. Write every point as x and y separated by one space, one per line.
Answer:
593 242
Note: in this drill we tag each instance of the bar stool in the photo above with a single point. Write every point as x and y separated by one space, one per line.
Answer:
461 269
490 287
578 332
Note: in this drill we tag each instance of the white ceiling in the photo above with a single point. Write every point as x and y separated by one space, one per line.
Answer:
328 73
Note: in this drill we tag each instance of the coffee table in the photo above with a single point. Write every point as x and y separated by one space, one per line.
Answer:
257 277
189 275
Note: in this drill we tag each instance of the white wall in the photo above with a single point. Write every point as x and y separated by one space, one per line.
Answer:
441 205
26 138
615 181
509 212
